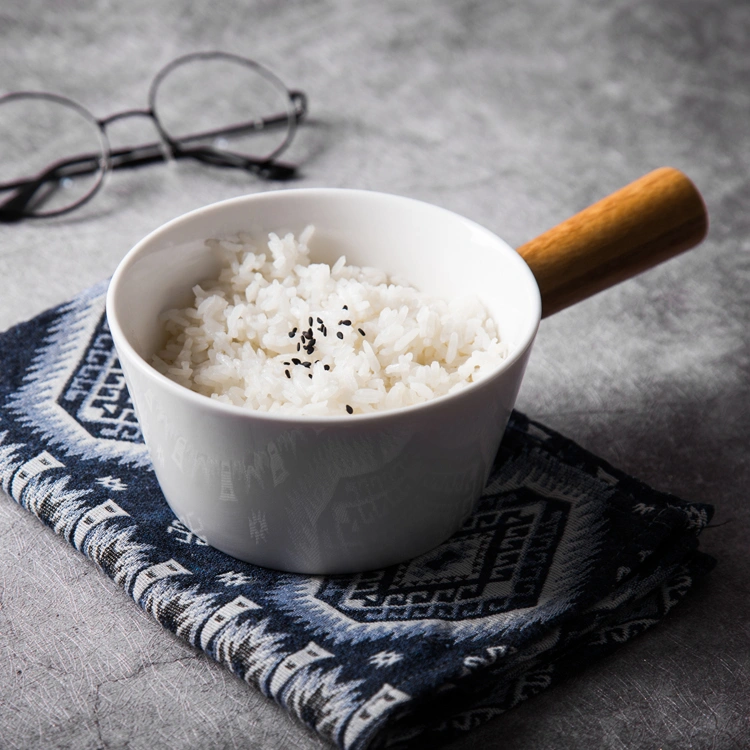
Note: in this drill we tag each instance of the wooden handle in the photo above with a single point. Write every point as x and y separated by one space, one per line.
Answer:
652 219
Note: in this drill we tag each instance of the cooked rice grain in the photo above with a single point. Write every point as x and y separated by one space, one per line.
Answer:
276 333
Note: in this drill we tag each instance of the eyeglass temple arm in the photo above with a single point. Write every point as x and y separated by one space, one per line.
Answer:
299 99
270 169
27 191
12 209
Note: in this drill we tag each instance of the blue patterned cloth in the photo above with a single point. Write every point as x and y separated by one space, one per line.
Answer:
564 559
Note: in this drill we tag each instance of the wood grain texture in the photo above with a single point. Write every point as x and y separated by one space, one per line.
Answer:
643 224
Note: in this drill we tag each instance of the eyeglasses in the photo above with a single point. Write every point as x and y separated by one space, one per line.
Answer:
217 108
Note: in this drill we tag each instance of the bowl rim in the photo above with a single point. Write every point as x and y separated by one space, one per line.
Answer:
206 402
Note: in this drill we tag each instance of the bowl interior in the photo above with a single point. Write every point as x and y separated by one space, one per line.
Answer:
437 251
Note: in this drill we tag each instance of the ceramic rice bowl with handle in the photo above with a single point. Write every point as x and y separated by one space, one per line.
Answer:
352 492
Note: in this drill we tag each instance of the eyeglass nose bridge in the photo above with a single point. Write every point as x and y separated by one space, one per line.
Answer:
126 114
162 150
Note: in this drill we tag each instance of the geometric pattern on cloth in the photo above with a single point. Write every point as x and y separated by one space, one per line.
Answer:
564 559
96 395
499 561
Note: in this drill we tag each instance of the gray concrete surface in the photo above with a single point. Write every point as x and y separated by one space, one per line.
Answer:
516 114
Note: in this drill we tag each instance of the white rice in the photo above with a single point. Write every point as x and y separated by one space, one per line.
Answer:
373 344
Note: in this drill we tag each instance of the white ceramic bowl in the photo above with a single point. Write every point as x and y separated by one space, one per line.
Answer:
335 494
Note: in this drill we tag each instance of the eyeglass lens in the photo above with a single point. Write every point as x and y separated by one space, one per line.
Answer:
222 102
52 147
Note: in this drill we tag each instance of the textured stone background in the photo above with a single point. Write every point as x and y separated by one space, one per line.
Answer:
516 114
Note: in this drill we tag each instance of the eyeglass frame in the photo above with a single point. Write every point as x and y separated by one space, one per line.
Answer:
267 167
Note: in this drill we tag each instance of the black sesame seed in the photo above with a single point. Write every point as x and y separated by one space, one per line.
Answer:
340 335
296 361
319 321
292 333
287 373
346 322
307 364
309 333
361 331
346 307
326 367
349 409
309 320
310 376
